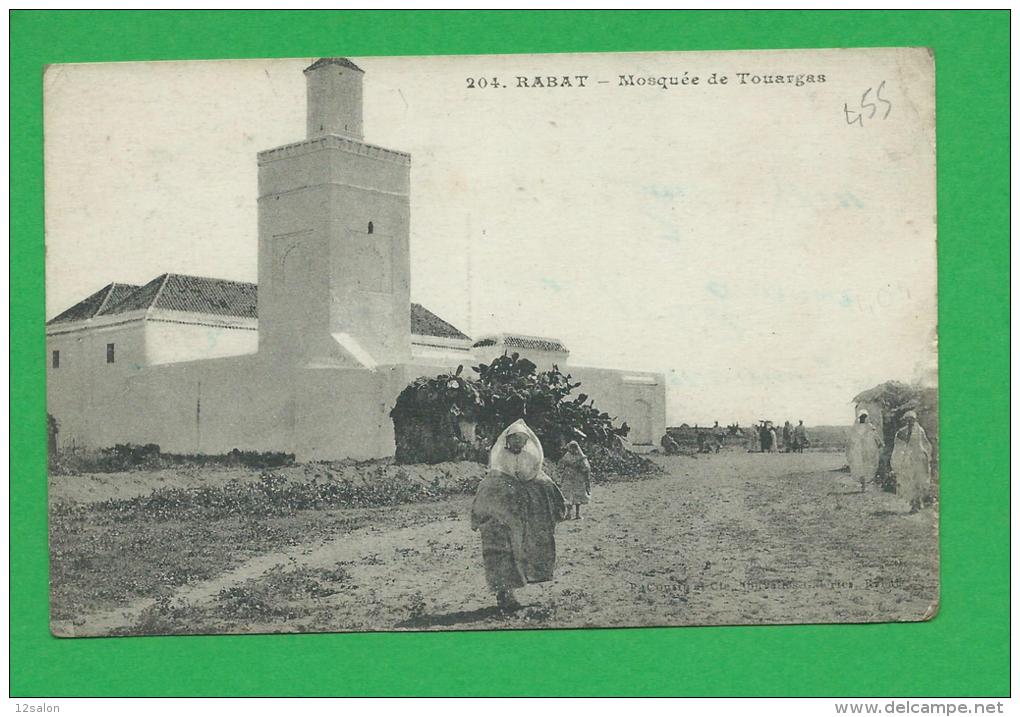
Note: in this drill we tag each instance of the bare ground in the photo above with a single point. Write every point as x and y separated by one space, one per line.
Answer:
730 538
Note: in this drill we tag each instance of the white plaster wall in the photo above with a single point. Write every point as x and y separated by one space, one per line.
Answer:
207 406
344 413
187 338
217 405
637 397
85 378
213 406
434 365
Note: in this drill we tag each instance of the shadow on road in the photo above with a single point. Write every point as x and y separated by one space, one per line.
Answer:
451 618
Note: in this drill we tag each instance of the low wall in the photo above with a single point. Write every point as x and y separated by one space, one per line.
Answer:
216 405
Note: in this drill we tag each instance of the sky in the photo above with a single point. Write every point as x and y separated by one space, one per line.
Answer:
769 257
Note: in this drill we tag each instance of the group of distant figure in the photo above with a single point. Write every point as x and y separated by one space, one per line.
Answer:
761 438
790 439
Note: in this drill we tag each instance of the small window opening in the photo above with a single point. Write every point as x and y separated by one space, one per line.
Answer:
371 228
56 359
109 353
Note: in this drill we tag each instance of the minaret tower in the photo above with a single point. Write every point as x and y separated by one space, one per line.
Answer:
334 223
334 98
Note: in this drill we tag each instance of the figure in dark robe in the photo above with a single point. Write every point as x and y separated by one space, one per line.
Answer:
770 441
516 510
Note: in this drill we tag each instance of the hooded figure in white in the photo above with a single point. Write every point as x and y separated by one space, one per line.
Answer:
516 510
863 450
911 461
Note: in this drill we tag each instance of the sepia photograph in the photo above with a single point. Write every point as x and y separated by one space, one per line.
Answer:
607 340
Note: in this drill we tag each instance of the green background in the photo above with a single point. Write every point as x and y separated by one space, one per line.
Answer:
964 651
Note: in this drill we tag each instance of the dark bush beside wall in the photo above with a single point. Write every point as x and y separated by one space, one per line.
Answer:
428 417
431 437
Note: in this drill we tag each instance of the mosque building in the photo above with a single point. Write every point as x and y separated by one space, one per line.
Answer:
310 361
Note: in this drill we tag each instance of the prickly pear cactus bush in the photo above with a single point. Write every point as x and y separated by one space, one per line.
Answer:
456 417
430 418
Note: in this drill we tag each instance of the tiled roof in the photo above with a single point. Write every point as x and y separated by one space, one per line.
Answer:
139 299
208 296
201 295
425 323
535 343
341 61
194 294
528 342
95 304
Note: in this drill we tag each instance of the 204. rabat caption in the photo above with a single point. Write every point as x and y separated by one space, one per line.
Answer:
663 82
873 104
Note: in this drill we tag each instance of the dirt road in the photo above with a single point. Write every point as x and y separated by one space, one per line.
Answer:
730 538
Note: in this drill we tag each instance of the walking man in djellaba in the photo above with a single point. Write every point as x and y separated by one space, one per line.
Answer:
574 474
516 510
911 461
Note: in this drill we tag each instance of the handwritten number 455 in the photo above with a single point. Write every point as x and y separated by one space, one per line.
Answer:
870 106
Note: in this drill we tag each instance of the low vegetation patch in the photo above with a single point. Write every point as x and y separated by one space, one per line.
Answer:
274 494
125 457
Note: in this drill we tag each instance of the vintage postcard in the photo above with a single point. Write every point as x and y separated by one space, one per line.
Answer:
453 343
